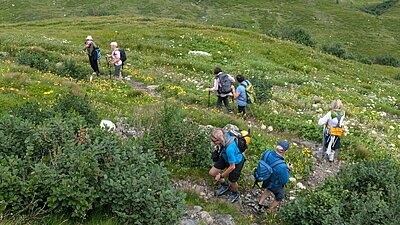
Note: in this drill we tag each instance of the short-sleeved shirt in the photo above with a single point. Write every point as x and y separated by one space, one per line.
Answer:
241 100
117 54
232 153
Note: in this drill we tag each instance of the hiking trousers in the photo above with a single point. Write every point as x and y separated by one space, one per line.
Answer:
94 64
225 100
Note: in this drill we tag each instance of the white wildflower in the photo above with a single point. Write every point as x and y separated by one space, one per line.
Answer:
301 186
270 128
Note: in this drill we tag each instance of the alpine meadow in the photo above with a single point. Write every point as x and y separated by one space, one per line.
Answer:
133 142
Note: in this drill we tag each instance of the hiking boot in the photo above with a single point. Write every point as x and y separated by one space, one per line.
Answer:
234 197
221 190
331 156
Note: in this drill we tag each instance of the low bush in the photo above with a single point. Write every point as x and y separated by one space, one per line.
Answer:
177 139
380 8
262 89
362 193
337 50
387 60
59 164
298 35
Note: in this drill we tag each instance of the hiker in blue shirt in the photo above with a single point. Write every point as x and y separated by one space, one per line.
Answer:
231 160
240 95
280 176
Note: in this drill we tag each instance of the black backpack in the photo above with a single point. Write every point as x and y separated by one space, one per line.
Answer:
225 85
123 54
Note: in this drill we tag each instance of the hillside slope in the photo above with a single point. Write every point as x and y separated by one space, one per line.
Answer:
361 33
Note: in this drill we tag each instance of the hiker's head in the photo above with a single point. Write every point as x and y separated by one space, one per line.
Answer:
114 45
89 38
217 70
337 105
240 78
282 146
218 137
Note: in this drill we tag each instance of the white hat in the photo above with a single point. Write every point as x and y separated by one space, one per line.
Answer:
89 37
114 43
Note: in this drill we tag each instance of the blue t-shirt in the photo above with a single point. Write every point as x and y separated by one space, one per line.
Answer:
241 100
281 172
232 153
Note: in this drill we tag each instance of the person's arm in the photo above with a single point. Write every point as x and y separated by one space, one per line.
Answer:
238 92
116 58
215 87
324 120
284 176
231 167
231 78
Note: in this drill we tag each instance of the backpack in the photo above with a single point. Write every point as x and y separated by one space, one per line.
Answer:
338 129
240 139
249 92
98 53
123 54
264 171
225 85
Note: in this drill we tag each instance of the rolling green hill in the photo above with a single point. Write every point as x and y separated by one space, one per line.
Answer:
361 33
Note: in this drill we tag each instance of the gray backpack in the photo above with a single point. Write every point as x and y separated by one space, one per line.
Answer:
224 86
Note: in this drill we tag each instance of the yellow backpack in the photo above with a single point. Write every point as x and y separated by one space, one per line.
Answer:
338 129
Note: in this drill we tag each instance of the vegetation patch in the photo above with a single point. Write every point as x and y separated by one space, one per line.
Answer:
380 8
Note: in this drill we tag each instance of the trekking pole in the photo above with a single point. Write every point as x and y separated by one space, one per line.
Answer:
209 104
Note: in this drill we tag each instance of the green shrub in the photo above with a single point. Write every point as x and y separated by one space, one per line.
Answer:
70 102
298 35
362 193
337 50
178 139
70 68
387 60
380 8
34 57
262 88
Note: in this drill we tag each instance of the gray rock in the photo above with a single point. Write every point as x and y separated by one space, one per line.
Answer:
59 64
206 217
152 88
197 209
4 54
188 222
224 219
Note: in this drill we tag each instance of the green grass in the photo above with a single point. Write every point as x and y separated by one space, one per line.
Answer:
328 22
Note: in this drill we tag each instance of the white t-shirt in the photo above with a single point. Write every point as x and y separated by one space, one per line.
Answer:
117 55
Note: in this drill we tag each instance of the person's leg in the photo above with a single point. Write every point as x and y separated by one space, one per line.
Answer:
92 63
226 103
233 178
273 205
279 195
264 197
219 102
214 171
117 72
96 66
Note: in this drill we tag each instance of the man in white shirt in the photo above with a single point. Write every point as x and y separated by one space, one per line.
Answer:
116 59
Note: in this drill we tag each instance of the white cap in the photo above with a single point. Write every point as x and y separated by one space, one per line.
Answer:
114 44
89 37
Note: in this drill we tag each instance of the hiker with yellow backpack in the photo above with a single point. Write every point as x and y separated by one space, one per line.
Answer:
244 95
333 129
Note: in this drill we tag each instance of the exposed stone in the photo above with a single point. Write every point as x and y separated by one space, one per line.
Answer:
224 219
206 217
188 222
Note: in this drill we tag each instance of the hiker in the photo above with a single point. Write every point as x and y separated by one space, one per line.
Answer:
332 122
90 48
231 160
223 87
116 59
240 95
279 177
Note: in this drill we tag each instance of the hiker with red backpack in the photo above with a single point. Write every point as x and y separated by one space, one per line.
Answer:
228 158
93 53
223 88
333 129
274 173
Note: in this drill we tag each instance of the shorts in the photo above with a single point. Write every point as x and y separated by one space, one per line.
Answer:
278 192
117 72
235 174
242 109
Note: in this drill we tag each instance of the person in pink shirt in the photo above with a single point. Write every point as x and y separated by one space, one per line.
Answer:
116 59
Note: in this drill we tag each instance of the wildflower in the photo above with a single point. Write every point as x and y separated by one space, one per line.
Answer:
48 92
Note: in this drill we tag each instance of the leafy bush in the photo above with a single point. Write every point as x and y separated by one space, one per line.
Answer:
58 164
262 88
298 35
387 60
380 8
336 49
362 193
175 138
34 57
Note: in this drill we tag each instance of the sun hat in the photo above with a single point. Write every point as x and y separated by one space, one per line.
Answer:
114 43
89 37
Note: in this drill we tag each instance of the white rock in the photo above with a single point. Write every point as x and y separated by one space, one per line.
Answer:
292 198
292 179
107 123
301 186
263 127
199 53
270 128
391 127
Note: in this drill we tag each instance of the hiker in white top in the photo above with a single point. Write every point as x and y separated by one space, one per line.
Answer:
222 87
333 123
116 59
